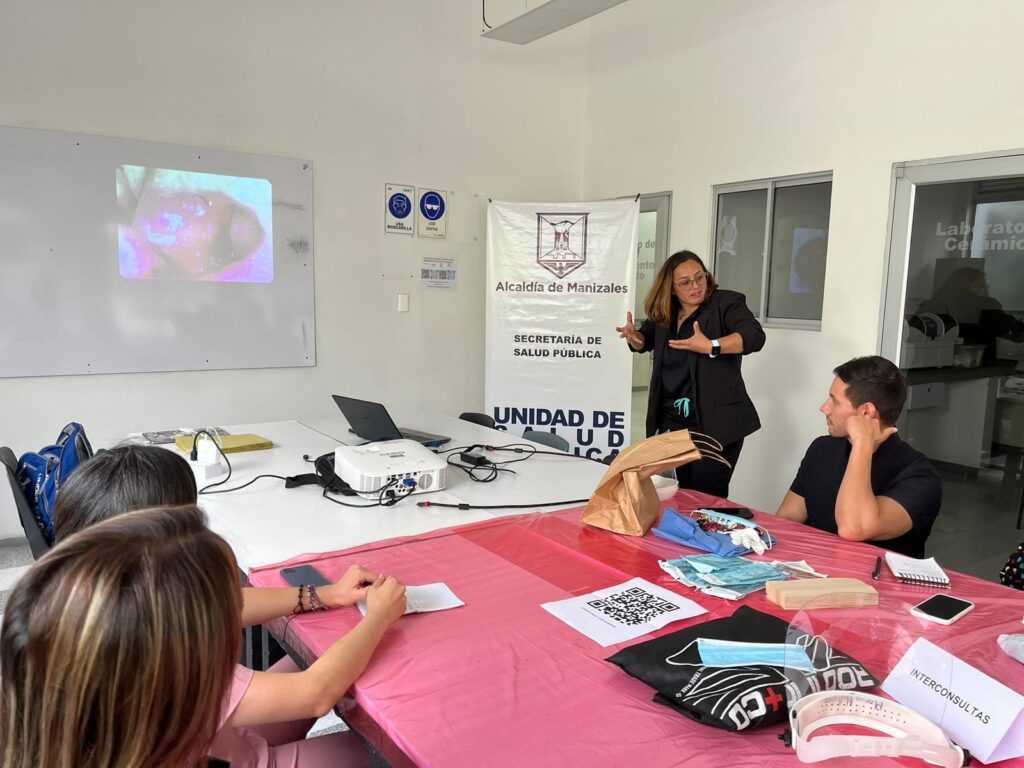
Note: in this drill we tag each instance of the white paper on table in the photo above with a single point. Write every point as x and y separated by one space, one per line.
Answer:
623 612
974 710
426 598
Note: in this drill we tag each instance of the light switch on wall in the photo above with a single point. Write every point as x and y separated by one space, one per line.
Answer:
403 302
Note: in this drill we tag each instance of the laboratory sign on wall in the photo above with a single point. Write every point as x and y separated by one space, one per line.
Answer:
560 278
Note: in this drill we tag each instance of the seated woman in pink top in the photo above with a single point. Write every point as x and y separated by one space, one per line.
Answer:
278 706
131 477
117 647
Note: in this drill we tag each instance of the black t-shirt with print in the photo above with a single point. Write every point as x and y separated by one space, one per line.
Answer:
898 472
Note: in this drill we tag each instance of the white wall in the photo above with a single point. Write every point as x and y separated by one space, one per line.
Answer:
685 94
372 92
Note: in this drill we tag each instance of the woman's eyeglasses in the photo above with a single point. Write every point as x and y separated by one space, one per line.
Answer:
699 279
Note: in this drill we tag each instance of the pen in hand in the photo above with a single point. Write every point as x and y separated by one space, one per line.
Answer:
878 569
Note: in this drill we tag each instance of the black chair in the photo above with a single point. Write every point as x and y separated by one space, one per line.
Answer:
36 542
550 439
478 418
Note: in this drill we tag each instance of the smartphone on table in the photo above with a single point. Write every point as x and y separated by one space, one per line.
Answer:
942 609
303 575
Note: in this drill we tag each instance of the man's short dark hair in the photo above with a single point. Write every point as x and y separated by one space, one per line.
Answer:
875 380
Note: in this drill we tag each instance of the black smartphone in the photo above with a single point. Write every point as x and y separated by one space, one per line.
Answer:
743 512
301 575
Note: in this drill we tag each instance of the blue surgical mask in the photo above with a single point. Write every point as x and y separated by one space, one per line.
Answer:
727 653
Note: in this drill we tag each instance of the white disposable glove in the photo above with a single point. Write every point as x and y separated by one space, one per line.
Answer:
749 538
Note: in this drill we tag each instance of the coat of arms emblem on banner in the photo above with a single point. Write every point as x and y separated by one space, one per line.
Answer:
561 242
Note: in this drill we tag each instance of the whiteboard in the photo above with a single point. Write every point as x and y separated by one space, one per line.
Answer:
119 255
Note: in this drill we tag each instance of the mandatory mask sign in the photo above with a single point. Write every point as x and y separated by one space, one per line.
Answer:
560 277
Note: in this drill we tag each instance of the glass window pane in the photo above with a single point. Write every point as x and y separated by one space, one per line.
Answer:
647 261
939 245
998 241
966 270
739 243
796 278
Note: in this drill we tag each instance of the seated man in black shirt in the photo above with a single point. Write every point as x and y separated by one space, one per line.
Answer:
861 481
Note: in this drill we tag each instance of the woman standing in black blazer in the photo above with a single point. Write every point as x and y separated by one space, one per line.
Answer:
698 333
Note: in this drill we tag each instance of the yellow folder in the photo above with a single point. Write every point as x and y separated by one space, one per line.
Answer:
229 443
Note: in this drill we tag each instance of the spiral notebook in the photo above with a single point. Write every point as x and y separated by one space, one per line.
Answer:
911 571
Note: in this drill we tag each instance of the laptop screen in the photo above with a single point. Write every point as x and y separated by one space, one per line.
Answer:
370 421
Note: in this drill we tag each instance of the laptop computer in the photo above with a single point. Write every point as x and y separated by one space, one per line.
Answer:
371 421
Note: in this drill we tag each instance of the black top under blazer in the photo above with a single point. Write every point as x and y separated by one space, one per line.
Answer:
724 410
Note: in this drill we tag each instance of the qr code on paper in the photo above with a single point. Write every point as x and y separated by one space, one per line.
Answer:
633 606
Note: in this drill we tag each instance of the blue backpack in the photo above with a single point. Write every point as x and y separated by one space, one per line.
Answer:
41 474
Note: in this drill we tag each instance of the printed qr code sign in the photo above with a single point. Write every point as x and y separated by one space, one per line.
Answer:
633 606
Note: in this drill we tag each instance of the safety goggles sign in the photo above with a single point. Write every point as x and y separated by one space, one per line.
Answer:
432 213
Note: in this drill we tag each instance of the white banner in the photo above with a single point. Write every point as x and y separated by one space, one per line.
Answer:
560 278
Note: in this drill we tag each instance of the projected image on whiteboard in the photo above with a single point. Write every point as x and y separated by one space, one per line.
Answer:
181 225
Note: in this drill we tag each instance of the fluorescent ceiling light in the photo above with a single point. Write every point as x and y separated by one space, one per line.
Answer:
547 18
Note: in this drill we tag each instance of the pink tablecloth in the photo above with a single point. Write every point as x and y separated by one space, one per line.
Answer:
501 682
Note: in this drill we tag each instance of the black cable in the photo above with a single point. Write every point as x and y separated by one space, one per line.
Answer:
344 504
240 487
490 467
534 452
194 455
381 501
483 12
499 506
528 448
494 466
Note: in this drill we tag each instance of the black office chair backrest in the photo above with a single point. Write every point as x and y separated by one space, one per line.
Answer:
478 418
36 542
550 439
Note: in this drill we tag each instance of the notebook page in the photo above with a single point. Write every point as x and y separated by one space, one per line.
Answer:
425 598
909 567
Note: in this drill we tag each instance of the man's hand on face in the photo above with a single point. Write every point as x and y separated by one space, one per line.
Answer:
867 430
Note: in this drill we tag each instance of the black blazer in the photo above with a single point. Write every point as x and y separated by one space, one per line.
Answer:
724 410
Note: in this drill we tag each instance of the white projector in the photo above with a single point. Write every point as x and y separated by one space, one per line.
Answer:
398 464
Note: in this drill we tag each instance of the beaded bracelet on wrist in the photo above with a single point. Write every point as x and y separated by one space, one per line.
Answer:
315 603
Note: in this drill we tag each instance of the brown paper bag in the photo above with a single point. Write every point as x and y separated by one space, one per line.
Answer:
625 500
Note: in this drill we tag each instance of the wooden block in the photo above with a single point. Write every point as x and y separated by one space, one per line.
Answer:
806 594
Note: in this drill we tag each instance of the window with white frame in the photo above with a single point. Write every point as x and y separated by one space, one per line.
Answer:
770 242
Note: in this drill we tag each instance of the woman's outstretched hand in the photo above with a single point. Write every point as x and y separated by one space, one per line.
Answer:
633 337
697 343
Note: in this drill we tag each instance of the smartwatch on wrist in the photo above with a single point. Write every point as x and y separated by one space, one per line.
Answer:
715 347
